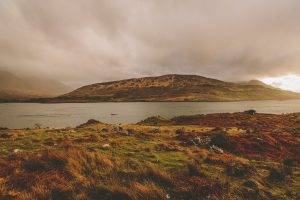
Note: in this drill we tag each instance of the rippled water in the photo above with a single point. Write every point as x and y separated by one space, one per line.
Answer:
21 115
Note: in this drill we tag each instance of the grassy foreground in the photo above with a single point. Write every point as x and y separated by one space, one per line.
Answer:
216 156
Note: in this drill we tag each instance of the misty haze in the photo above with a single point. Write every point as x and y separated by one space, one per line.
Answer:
129 100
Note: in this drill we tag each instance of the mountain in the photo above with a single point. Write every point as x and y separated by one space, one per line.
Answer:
14 88
173 87
257 82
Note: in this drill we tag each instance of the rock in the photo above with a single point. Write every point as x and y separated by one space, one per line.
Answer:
217 149
200 141
106 146
16 150
250 112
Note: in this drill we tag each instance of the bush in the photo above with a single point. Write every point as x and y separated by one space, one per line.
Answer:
288 166
220 139
288 162
276 175
59 194
250 184
194 169
238 170
34 165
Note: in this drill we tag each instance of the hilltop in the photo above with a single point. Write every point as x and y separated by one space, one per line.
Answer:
174 87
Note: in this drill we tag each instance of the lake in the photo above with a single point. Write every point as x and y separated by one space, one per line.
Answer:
22 115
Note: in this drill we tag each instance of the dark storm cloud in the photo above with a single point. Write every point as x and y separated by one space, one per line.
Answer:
82 41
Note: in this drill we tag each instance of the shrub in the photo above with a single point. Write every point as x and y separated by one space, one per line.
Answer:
238 170
288 162
180 133
250 184
194 169
276 175
34 165
59 194
288 166
220 139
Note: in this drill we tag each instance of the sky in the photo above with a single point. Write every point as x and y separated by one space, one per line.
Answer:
86 41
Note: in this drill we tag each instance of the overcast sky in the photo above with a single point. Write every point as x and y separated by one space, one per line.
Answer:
86 41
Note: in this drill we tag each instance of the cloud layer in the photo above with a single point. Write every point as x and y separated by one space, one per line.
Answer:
83 41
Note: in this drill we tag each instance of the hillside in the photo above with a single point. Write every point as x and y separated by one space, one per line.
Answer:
14 88
230 156
174 88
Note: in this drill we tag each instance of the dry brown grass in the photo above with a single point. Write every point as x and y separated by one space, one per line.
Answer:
148 163
78 174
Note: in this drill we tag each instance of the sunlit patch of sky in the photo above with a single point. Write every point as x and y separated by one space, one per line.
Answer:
288 82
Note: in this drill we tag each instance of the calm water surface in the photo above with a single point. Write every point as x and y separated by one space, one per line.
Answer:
21 115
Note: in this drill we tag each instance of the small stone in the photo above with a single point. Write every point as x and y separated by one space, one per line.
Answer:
105 146
16 150
217 149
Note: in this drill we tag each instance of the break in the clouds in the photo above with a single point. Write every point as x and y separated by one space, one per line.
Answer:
83 41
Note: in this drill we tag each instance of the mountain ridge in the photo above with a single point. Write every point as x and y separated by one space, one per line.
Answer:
15 88
173 87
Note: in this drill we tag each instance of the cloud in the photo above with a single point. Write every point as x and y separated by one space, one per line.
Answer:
83 41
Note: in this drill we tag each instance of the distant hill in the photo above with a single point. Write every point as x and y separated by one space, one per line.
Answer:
257 82
174 87
14 88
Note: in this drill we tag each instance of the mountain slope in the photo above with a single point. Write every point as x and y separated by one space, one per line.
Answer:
173 88
13 87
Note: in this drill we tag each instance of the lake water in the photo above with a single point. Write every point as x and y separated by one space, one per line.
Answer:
22 115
